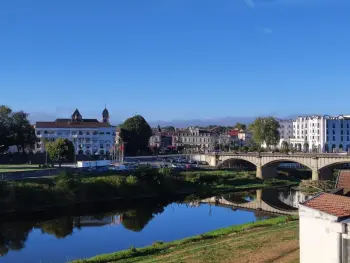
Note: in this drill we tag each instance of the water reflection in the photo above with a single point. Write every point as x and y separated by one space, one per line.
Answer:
150 221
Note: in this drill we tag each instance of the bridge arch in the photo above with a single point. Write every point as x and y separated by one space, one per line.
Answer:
282 160
230 159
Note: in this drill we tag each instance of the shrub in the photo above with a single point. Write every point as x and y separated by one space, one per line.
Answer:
131 180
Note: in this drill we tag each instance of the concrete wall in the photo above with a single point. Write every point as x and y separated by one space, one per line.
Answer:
320 240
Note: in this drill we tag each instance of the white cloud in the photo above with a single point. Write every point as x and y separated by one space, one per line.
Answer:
266 31
250 3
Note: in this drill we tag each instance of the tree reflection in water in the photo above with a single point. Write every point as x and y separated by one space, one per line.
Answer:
59 227
13 235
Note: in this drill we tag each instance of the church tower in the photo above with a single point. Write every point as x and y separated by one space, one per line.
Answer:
105 116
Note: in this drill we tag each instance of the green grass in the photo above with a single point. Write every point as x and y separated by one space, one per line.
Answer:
6 168
198 245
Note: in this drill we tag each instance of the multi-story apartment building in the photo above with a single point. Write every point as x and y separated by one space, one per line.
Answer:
316 133
193 137
89 136
161 139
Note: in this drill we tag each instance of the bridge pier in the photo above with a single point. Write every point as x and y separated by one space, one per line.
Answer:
315 175
259 173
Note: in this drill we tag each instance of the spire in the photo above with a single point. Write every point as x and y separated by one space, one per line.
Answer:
105 115
76 116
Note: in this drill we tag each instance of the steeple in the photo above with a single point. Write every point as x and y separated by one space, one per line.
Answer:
76 116
105 115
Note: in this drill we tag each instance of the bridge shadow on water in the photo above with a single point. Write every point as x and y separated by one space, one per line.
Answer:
268 200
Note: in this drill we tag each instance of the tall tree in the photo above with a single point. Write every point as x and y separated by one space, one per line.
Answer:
257 128
241 126
5 126
61 150
22 132
271 133
135 133
169 128
265 130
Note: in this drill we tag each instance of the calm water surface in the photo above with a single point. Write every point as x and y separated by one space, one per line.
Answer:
59 238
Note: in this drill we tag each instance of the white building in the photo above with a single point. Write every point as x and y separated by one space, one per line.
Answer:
89 136
325 229
316 133
193 137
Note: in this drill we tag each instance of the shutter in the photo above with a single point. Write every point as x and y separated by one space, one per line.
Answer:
346 250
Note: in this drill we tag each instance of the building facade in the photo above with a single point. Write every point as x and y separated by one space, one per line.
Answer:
316 133
324 223
89 136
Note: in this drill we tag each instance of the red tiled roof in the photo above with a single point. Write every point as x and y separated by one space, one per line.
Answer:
68 124
343 180
332 204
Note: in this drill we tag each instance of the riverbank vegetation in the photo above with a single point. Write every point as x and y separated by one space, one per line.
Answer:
263 241
72 187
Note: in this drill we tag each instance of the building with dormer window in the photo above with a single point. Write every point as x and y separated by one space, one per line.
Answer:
89 136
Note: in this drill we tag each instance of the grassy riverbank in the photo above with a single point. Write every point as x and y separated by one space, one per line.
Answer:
272 240
68 188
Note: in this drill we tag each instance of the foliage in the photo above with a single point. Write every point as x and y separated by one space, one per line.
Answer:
135 133
15 129
240 126
169 129
60 150
265 130
312 187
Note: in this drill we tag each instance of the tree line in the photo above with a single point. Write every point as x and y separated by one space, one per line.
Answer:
15 129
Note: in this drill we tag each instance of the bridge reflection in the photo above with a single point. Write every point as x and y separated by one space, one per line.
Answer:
268 200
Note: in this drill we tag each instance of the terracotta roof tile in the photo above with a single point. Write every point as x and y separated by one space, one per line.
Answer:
343 180
332 204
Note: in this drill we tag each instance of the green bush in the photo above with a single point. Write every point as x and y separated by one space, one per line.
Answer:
131 180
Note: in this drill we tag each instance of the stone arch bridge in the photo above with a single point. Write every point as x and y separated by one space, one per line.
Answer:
261 202
321 165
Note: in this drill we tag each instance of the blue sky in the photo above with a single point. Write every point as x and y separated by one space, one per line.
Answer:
175 59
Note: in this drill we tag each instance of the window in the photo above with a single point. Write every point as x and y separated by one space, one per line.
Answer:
327 138
38 132
333 125
347 125
347 132
74 133
347 138
333 138
95 133
87 133
102 133
333 132
341 132
108 133
346 250
341 138
80 133
101 145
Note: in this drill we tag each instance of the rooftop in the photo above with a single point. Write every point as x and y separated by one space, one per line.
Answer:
343 180
336 205
67 123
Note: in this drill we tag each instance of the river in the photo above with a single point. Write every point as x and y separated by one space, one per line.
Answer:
61 236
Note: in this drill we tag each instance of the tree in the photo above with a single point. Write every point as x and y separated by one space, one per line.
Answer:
265 130
285 147
60 150
135 133
5 126
240 126
169 129
22 132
